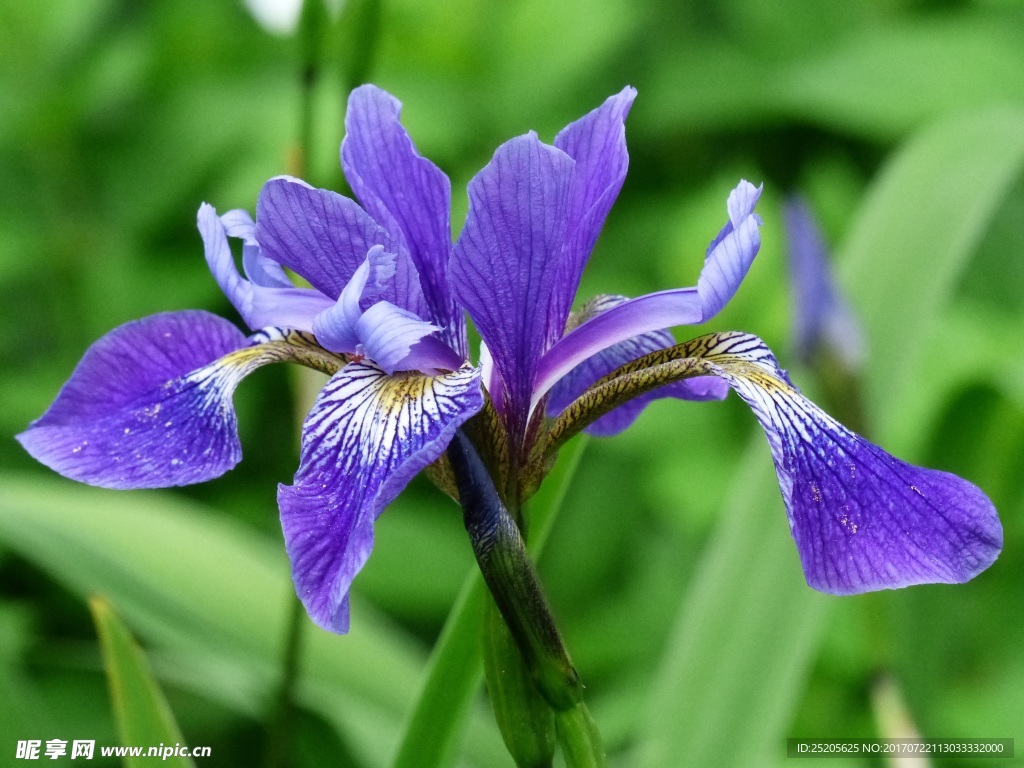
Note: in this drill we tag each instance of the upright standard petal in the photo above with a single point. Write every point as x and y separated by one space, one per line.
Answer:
148 406
505 265
597 144
366 437
822 318
862 519
325 237
596 367
407 194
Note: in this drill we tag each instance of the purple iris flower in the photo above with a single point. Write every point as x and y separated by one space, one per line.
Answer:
150 403
862 519
535 214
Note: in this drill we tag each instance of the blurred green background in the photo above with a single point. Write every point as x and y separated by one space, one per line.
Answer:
670 567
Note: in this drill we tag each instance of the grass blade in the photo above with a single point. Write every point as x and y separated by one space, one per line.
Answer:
143 716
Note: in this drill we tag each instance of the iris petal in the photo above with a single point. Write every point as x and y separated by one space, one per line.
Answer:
862 519
325 238
597 144
285 307
653 312
366 437
221 262
822 318
506 260
407 194
239 223
258 268
268 298
387 334
148 406
731 252
337 328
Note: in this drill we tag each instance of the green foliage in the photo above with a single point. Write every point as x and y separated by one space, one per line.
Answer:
965 163
670 567
142 713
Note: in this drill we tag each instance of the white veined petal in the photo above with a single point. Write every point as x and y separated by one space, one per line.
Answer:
366 437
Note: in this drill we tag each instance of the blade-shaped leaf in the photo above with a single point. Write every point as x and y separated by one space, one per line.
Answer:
142 714
196 582
912 238
22 711
945 65
744 636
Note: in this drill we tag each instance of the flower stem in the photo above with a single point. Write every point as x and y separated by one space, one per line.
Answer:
525 718
581 743
312 24
438 720
364 16
501 554
530 676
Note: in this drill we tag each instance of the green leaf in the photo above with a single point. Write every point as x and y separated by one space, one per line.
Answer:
140 709
990 351
921 222
194 581
450 683
748 626
744 637
22 709
852 75
454 672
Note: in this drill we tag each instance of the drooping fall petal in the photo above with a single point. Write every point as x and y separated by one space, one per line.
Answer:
149 405
366 437
862 519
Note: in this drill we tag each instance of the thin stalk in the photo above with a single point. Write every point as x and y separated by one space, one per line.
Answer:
582 746
364 17
501 554
279 727
312 26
